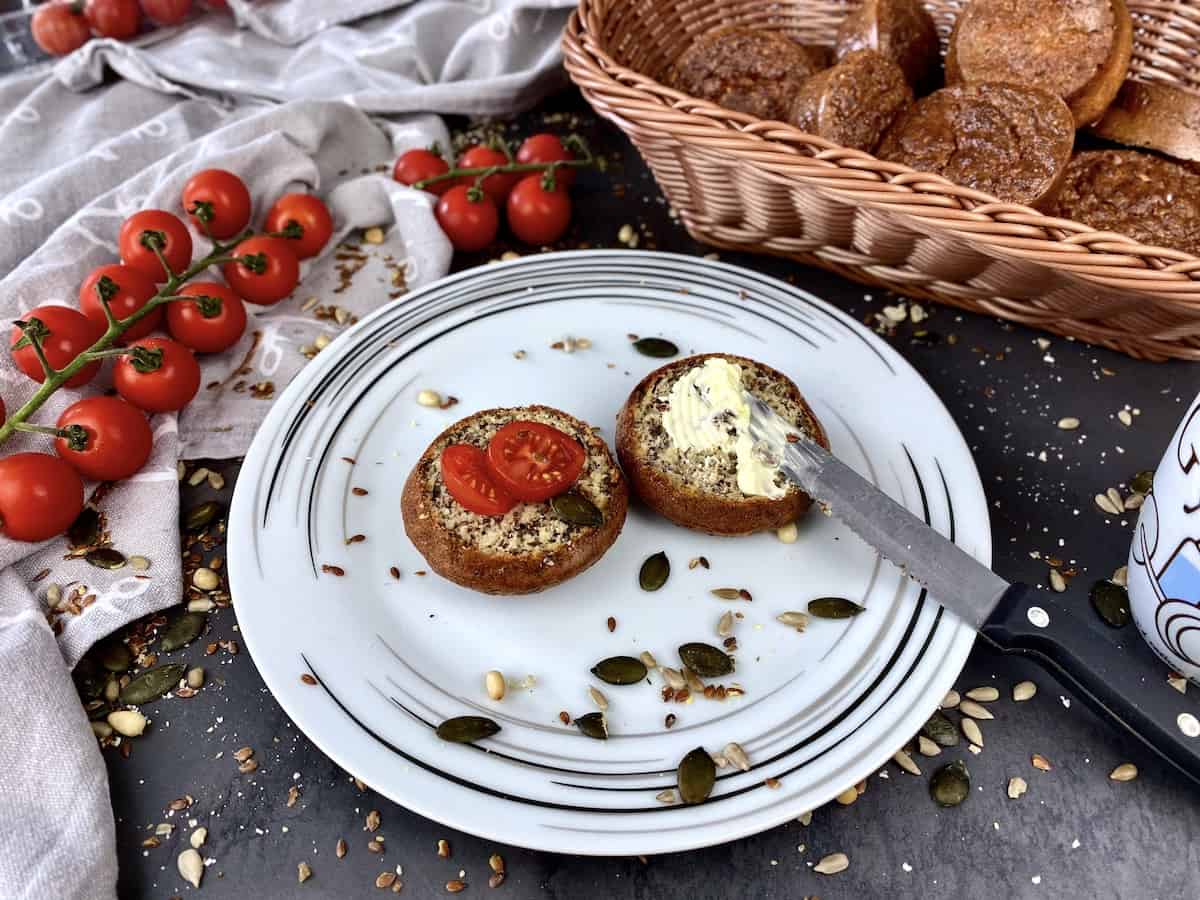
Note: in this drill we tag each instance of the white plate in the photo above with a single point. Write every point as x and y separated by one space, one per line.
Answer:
822 709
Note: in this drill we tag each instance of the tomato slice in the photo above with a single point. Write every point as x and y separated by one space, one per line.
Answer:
465 471
533 461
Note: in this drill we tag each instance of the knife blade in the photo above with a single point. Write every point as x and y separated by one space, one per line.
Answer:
954 578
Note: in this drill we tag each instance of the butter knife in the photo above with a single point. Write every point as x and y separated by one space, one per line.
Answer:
1013 618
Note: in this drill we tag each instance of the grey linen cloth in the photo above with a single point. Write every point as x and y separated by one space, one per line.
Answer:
283 101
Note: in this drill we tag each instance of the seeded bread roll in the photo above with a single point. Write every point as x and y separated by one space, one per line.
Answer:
1159 116
899 29
747 70
1155 201
854 102
529 548
1078 50
1011 142
699 489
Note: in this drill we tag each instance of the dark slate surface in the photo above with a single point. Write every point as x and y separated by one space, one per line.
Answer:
1074 834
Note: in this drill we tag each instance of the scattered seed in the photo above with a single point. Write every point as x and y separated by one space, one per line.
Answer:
496 879
788 534
1111 602
85 530
1057 583
725 624
250 765
654 572
339 849
729 593
243 753
773 783
834 608
984 694
655 347
648 659
832 864
1142 482
182 630
152 684
593 725
940 730
1105 503
201 605
1121 576
216 480
926 747
620 670
564 717
904 761
455 885
970 729
1040 762
1068 423
293 796
950 700
466 729
101 729
1016 787
105 558
792 619
576 509
443 848
598 698
494 683
139 563
373 235
974 710
385 880
612 624
696 775
667 796
705 660
1188 724
333 570
1178 682
1023 691
736 756
191 866
114 656
127 722
303 872
1114 497
669 721
308 679
496 862
674 678
359 491
1124 772
198 837
848 796
429 398
1134 501
950 784
198 476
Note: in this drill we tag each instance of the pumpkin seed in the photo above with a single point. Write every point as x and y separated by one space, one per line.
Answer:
984 694
576 509
706 660
1142 481
201 515
654 572
974 710
1016 787
86 528
1111 601
940 730
697 774
466 729
834 608
970 728
659 348
1023 691
114 655
593 725
182 631
620 670
832 864
152 684
106 558
950 784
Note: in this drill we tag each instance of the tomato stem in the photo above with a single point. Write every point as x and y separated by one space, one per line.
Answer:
483 171
74 434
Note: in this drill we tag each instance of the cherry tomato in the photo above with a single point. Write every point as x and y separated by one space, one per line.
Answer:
114 18
205 325
309 214
465 471
111 439
547 148
167 12
471 224
538 216
497 186
139 234
157 383
40 496
59 29
273 272
533 462
218 200
68 333
127 291
417 165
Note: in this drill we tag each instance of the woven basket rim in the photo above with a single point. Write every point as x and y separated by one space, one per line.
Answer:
1008 230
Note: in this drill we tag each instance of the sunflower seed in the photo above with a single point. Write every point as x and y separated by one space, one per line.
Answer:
1135 501
385 880
788 534
736 756
1040 762
184 629
692 680
696 775
667 796
793 619
832 864
1121 576
593 725
243 753
727 593
673 677
725 624
85 530
1023 691
834 608
706 660
620 670
974 710
496 862
339 849
576 509
127 722
190 866
655 347
1016 787
648 659
926 747
1178 682
950 784
1068 423
940 730
1142 482
984 694
198 837
198 476
1105 503
654 572
493 683
904 761
848 796
970 729
466 729
152 684
598 698
1111 602
950 700
105 558
1124 772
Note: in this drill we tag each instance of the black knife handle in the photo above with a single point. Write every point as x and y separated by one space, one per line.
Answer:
1107 678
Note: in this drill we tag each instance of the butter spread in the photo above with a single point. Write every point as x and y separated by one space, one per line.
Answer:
707 411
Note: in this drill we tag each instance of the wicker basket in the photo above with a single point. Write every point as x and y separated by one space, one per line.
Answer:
745 184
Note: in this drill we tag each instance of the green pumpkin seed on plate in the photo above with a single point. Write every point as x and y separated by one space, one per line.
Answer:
706 660
620 670
152 684
697 774
467 729
834 608
593 725
654 572
1111 602
659 348
951 784
576 509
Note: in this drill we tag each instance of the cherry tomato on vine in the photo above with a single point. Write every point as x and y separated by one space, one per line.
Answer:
469 481
266 270
498 185
161 375
109 439
417 165
40 496
219 200
59 29
144 230
468 217
65 334
537 215
117 19
126 290
309 214
547 148
211 323
534 462
167 12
